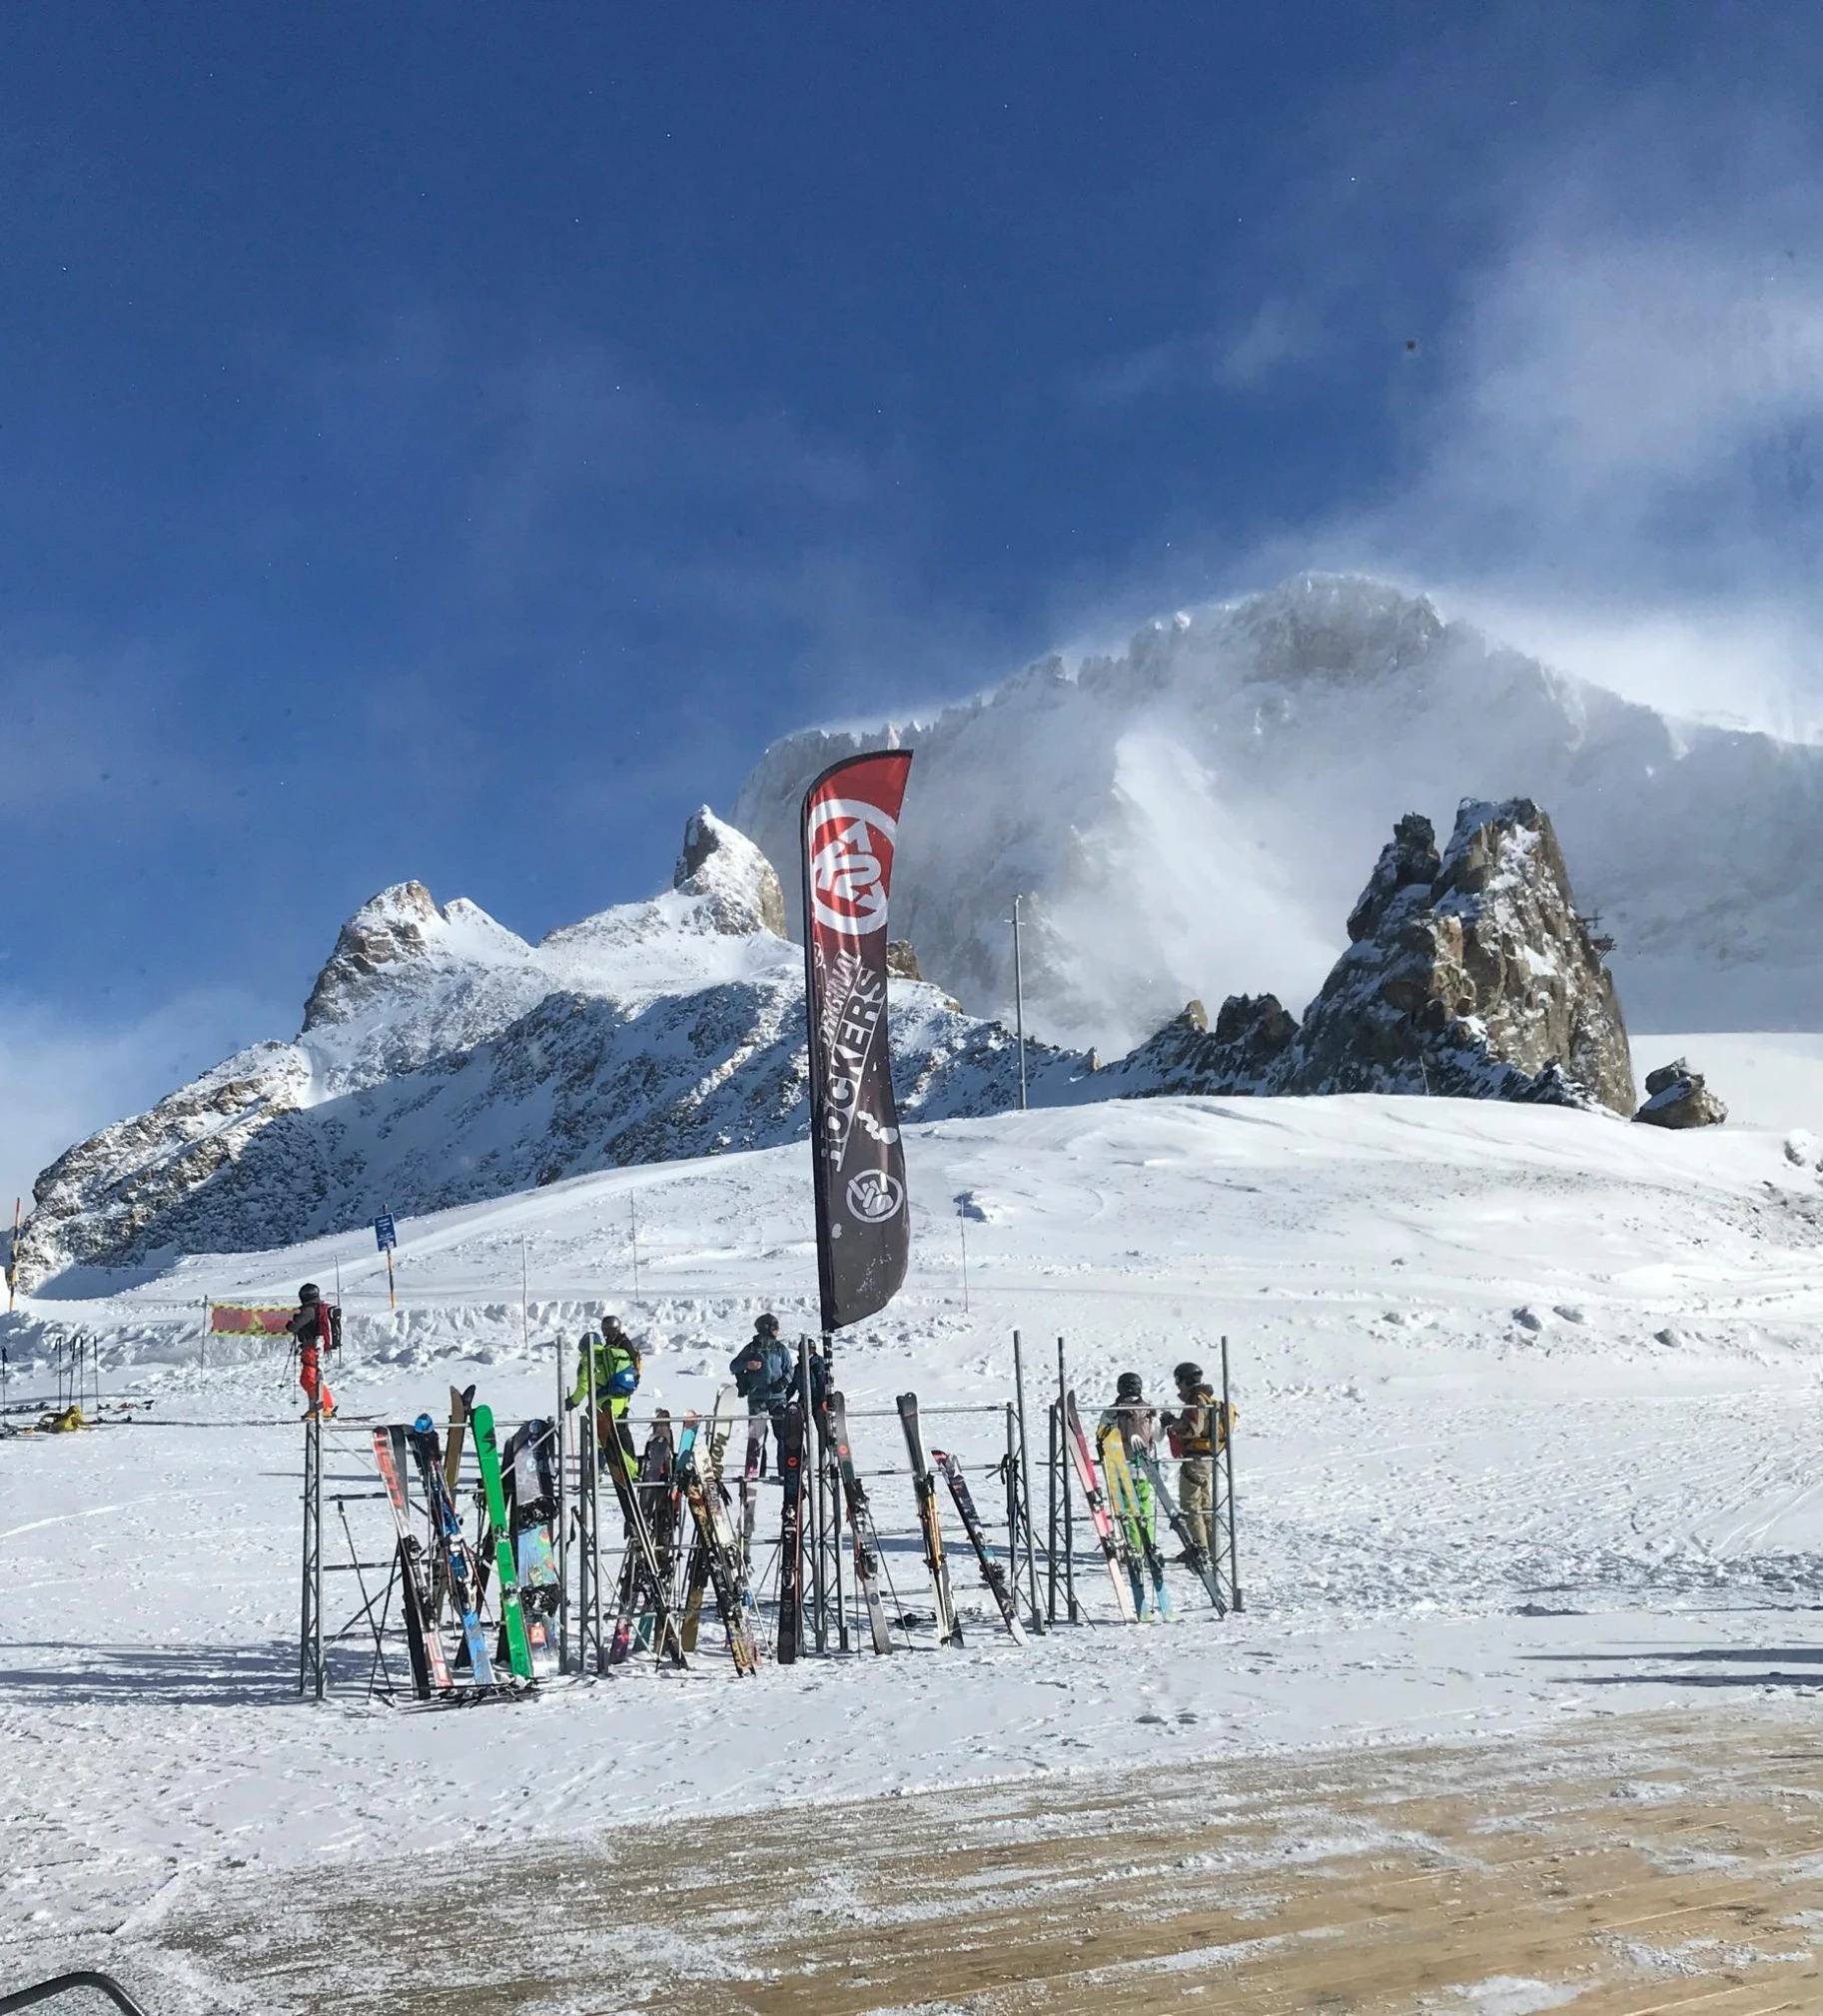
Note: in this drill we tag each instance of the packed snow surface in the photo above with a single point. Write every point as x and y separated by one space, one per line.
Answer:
1527 1404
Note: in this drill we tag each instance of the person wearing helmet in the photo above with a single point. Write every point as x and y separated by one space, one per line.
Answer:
616 1363
1137 1422
765 1377
1195 1431
316 1329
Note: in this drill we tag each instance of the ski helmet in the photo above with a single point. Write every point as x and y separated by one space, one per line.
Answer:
1187 1374
767 1325
309 1292
1128 1386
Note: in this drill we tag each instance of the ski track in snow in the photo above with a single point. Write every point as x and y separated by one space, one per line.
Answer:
1457 1520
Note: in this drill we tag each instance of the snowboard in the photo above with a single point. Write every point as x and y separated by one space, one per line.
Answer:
791 1439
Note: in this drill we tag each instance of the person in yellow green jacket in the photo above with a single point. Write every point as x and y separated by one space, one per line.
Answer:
616 1378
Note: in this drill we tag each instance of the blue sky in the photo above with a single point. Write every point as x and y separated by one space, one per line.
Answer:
453 440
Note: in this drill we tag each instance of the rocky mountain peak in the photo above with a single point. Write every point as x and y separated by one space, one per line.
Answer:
402 939
1341 628
387 928
1478 978
720 864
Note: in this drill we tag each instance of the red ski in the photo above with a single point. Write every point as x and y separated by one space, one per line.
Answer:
1083 1460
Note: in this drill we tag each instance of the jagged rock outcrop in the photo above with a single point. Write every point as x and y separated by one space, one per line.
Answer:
902 960
1469 975
739 885
1676 1096
1243 1053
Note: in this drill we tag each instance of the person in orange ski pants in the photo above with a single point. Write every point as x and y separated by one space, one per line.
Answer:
314 1327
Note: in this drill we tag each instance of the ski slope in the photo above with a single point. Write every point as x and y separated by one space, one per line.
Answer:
1527 1409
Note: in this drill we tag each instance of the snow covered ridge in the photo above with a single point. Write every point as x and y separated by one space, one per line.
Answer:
444 1060
1190 815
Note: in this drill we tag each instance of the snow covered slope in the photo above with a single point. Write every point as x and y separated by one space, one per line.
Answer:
1527 1426
443 1059
1193 814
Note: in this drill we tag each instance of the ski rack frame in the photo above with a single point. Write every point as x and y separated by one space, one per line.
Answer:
1040 1565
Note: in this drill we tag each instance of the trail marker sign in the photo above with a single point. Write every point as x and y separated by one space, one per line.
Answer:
384 1237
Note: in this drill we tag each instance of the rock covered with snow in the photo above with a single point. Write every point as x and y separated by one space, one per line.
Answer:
1186 813
738 885
444 1060
1676 1096
1244 1053
1469 974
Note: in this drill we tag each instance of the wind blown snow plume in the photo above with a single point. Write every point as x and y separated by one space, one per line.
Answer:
1190 815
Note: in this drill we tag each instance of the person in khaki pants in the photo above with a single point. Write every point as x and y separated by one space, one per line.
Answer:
1194 1432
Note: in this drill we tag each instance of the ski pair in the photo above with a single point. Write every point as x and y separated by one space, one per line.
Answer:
645 1579
506 1574
1082 1461
924 1482
696 1580
461 1576
1195 1553
717 1554
430 1670
1145 1565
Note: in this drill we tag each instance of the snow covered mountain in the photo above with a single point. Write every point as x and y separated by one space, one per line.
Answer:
444 1060
1190 816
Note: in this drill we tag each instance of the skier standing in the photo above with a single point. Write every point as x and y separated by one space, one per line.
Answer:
315 1329
616 1378
1139 1426
765 1377
1194 1432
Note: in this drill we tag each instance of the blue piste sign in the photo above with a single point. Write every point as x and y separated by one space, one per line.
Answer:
384 1237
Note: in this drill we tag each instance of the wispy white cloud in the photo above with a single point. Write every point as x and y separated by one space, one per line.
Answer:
1277 334
1614 453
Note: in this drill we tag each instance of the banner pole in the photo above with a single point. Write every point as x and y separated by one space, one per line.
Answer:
811 1460
12 1259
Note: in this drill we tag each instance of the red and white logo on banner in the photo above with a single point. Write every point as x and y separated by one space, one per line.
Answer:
851 847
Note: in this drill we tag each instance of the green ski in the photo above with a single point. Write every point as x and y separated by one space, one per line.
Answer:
488 1453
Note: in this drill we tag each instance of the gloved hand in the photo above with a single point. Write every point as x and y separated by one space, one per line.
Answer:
569 1403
